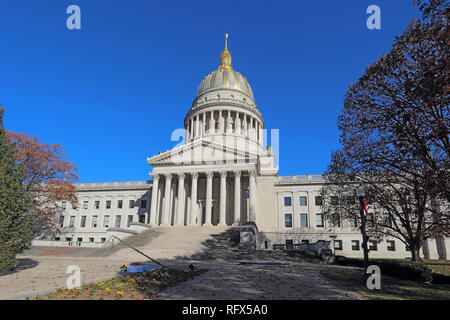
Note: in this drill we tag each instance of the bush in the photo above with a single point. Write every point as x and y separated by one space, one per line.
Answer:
7 259
401 269
440 278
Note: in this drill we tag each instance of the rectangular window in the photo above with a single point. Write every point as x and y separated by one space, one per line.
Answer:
303 201
334 200
83 222
288 220
85 204
108 204
94 221
74 205
118 220
119 204
64 204
287 201
355 245
318 200
106 222
289 244
97 204
91 239
131 204
303 220
338 222
79 239
130 220
373 246
72 222
305 241
338 244
390 245
319 220
61 221
353 222
142 218
143 204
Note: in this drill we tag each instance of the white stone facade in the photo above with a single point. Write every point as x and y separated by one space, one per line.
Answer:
224 175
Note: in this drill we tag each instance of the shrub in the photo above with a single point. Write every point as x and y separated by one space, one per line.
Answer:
7 259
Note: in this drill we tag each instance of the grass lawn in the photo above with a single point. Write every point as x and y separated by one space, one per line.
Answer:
439 266
391 289
137 286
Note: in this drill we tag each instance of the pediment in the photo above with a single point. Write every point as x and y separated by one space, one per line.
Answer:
204 151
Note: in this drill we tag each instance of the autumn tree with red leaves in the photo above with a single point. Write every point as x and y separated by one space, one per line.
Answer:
48 177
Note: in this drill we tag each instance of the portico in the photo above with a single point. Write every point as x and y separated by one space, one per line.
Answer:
202 198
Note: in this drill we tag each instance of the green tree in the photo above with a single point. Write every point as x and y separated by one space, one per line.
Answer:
15 221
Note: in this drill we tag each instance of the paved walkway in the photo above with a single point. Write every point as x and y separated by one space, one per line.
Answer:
274 276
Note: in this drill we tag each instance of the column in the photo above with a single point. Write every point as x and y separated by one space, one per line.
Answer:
194 197
245 126
203 123
212 126
191 129
221 122
229 122
153 212
237 125
252 195
237 197
223 198
180 200
197 123
167 187
209 177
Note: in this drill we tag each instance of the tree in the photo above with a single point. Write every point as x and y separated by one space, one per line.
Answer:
394 131
15 221
49 180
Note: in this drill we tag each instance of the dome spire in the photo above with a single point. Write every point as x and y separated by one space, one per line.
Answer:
225 57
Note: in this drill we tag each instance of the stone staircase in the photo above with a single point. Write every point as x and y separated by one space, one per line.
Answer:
166 243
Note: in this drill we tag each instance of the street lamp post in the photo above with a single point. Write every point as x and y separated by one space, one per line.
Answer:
360 193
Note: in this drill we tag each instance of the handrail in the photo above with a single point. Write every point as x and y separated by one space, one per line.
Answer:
130 246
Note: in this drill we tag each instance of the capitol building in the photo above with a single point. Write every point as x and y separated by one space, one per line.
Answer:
223 175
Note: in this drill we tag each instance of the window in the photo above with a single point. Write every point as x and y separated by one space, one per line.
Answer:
108 204
142 218
143 204
79 239
83 222
289 244
288 220
102 240
303 201
61 221
353 222
72 222
74 205
85 204
97 204
91 239
303 220
318 200
319 220
338 221
351 200
334 200
373 246
391 245
64 204
118 220
131 204
305 241
265 245
68 239
338 244
119 204
287 201
355 245
106 222
130 220
94 221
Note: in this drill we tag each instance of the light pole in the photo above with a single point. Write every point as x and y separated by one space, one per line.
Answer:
360 193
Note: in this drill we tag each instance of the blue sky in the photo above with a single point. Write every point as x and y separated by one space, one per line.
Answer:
113 92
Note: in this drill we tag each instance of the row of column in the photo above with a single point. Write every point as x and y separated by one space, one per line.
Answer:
181 210
227 122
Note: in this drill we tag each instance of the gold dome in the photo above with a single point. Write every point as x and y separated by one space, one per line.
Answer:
225 77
